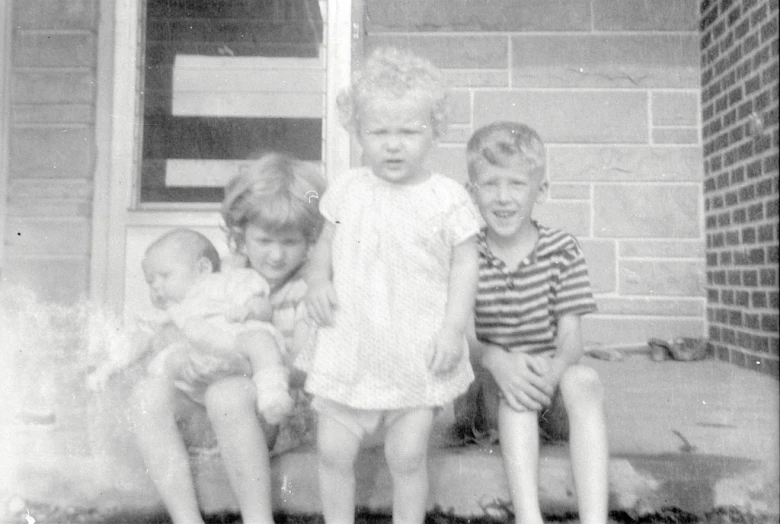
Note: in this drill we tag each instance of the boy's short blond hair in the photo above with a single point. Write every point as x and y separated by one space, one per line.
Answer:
505 144
189 243
396 73
277 192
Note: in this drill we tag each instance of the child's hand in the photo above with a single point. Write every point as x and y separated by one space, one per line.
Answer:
259 309
321 301
521 379
538 364
447 350
553 371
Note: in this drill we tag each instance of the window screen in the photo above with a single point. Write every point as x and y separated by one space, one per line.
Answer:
225 81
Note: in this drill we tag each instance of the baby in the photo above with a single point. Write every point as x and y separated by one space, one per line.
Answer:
209 308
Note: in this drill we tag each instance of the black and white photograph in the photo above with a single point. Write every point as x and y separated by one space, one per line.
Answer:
209 210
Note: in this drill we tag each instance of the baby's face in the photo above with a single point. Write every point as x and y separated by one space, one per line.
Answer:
170 274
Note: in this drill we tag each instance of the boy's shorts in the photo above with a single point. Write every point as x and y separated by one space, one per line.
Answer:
360 422
477 410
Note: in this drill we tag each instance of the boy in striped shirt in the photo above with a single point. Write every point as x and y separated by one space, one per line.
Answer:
533 289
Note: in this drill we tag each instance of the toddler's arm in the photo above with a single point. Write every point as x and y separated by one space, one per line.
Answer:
462 293
321 296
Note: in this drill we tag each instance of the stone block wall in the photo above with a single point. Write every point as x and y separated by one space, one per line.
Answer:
613 88
51 147
739 59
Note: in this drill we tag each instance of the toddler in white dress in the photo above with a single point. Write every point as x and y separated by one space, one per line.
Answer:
392 285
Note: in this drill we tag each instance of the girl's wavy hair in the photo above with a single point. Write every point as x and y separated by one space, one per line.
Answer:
505 144
277 192
397 73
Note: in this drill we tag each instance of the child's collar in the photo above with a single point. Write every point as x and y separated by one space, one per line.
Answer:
484 247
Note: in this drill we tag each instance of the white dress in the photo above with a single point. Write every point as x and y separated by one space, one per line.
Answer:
391 264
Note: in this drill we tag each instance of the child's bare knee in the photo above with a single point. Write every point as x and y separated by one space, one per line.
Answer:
149 397
332 455
581 384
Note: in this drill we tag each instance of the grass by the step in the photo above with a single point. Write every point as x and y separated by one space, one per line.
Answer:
44 514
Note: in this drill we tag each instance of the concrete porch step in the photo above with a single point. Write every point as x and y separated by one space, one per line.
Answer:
470 482
467 482
693 435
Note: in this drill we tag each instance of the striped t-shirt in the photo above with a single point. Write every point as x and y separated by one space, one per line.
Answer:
519 309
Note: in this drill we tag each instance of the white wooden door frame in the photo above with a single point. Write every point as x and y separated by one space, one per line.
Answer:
117 168
6 32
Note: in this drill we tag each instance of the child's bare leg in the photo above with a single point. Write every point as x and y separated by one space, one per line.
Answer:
406 450
154 408
230 403
583 396
519 434
337 449
270 375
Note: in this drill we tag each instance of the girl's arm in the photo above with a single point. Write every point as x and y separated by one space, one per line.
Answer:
321 296
461 294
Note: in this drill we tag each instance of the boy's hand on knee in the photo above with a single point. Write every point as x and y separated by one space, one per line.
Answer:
447 350
321 301
538 364
523 388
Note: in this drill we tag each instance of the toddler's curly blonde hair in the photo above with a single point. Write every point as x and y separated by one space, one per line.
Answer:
396 73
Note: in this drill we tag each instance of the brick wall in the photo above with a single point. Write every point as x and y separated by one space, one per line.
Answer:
51 147
739 60
613 88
